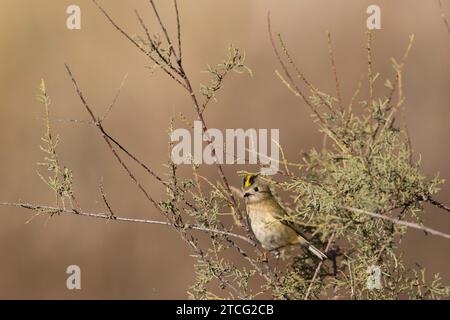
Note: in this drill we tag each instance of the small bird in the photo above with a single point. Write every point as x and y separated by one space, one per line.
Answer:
265 217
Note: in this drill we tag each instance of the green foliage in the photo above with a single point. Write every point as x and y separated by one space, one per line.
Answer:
367 166
234 62
59 178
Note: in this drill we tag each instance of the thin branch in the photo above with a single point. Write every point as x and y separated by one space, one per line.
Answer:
350 105
109 141
370 76
399 222
110 146
105 200
334 69
124 33
300 75
175 2
319 266
116 97
165 61
166 34
396 86
108 216
288 75
78 121
145 28
120 146
134 158
438 204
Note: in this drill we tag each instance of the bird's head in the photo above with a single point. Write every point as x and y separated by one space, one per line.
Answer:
255 189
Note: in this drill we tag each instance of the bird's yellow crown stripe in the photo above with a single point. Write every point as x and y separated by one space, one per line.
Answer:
247 180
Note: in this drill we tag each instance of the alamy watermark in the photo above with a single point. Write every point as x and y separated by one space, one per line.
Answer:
73 281
261 145
374 19
73 21
374 278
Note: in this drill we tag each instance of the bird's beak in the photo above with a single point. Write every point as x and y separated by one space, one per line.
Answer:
247 194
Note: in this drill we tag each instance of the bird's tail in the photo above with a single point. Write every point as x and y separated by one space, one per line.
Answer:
319 254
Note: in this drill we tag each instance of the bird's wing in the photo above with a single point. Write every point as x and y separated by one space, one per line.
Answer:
281 215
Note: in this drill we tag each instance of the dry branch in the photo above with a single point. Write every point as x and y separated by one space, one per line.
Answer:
108 216
400 222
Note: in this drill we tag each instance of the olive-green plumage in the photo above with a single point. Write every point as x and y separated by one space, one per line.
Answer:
265 216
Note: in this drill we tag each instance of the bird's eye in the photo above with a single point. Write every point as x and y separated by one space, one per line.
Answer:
256 189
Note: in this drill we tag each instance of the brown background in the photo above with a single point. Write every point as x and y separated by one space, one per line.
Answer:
139 261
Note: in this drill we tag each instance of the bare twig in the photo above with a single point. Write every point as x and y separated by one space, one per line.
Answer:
78 121
396 86
288 75
120 146
124 33
165 60
116 97
400 222
319 266
107 216
300 75
350 105
438 204
105 200
334 69
110 146
175 2
370 76
134 158
166 34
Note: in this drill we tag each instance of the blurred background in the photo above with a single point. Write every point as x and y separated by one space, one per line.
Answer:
120 260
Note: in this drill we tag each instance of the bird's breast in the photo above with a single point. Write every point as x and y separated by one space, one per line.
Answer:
268 230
